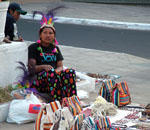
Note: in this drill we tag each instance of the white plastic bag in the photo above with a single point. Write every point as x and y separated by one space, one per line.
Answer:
82 94
88 84
18 110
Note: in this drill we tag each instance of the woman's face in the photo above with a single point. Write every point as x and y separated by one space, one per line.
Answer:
47 35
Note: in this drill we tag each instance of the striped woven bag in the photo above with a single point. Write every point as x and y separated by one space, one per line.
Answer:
73 103
67 119
121 95
78 119
48 116
102 123
115 129
88 124
106 89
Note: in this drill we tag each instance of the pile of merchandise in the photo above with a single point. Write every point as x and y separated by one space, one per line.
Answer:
101 115
71 115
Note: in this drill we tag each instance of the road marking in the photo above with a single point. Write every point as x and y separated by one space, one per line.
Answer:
92 22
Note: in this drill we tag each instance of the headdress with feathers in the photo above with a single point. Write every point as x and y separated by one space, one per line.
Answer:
49 18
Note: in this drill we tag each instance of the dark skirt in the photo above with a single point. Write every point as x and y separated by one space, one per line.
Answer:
55 86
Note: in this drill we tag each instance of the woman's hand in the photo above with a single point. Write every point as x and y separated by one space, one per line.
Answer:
47 67
38 68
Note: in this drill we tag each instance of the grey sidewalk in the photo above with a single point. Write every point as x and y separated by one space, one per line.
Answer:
134 70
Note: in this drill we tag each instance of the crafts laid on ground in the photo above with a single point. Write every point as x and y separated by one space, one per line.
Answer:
101 77
111 110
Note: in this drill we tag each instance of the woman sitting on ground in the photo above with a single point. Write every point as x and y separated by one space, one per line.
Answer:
52 79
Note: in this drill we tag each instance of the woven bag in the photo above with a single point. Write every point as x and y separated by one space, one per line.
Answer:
121 95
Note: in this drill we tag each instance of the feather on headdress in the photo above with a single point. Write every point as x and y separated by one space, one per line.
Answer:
49 18
28 76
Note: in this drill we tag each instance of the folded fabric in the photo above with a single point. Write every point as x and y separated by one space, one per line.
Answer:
78 120
103 123
88 124
87 112
73 103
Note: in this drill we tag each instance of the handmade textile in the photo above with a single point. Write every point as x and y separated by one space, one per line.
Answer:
78 119
67 119
100 99
88 124
106 89
102 123
53 117
141 126
57 85
73 103
107 109
97 123
121 95
117 93
48 116
86 111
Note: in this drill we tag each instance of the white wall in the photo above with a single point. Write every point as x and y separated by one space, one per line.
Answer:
3 11
9 55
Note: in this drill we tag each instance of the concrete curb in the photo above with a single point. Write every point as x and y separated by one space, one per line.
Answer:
113 1
92 22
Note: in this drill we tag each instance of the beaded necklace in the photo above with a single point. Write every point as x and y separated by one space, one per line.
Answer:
41 49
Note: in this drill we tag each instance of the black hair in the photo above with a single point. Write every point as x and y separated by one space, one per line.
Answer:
41 30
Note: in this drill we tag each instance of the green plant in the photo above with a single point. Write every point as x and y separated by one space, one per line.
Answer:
5 94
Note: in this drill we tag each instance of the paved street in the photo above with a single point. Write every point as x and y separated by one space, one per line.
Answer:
135 42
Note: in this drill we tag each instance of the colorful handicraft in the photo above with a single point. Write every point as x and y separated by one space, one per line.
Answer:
117 93
103 123
121 95
78 119
106 89
73 103
88 124
49 116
